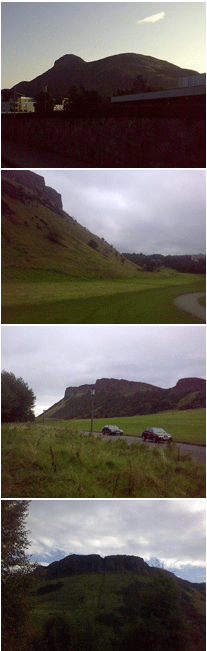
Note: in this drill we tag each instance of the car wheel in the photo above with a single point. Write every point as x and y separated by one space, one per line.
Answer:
154 439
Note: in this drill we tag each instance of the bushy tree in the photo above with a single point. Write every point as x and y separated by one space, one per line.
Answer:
17 400
17 576
14 540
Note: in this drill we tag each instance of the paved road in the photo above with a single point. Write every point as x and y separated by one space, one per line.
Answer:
198 452
189 303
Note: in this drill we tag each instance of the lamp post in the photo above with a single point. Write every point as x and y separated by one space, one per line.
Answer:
92 396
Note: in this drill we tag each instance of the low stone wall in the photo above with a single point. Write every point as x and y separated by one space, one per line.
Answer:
112 141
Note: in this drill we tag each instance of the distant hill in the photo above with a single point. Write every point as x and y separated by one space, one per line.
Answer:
118 602
38 234
104 75
89 563
124 398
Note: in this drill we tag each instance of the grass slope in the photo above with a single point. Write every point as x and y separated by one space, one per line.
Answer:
99 609
35 235
57 460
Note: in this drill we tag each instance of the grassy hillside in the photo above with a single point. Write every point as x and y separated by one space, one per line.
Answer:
109 611
54 460
35 235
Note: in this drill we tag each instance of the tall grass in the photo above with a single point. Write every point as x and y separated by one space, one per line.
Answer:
53 461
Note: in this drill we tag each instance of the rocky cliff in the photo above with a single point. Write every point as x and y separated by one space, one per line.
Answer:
84 564
34 182
127 398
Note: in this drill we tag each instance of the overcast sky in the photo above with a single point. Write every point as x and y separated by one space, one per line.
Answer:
51 358
171 530
35 34
138 211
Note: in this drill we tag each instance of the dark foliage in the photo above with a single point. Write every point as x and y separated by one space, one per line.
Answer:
140 85
50 587
182 263
93 244
81 102
17 576
17 400
44 102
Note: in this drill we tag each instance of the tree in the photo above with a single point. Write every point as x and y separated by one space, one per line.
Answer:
17 576
82 102
14 540
44 102
17 400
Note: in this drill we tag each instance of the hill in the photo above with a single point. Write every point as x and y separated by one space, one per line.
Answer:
118 602
38 234
124 398
104 75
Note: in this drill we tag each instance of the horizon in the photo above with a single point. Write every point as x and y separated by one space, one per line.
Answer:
172 32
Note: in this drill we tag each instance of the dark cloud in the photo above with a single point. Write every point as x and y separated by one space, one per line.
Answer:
50 358
148 211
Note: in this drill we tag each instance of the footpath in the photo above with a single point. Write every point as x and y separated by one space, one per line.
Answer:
189 303
14 154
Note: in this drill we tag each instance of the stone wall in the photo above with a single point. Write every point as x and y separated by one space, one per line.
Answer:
112 141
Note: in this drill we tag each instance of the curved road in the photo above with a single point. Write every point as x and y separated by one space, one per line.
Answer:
198 452
189 303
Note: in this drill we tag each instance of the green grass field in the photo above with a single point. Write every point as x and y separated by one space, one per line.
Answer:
57 460
187 426
35 296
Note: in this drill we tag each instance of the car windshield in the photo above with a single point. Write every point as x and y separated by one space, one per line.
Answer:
158 430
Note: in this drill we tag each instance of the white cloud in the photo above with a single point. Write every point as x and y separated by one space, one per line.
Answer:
152 19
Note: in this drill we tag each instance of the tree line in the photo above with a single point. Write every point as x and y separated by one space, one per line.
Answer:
80 101
181 263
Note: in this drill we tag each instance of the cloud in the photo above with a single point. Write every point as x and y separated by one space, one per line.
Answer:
152 19
171 530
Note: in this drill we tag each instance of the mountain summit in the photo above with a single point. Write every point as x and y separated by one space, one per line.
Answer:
104 75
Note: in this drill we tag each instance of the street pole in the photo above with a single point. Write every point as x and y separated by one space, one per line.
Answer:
92 396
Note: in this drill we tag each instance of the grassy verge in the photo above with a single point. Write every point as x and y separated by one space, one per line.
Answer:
202 301
185 426
54 461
